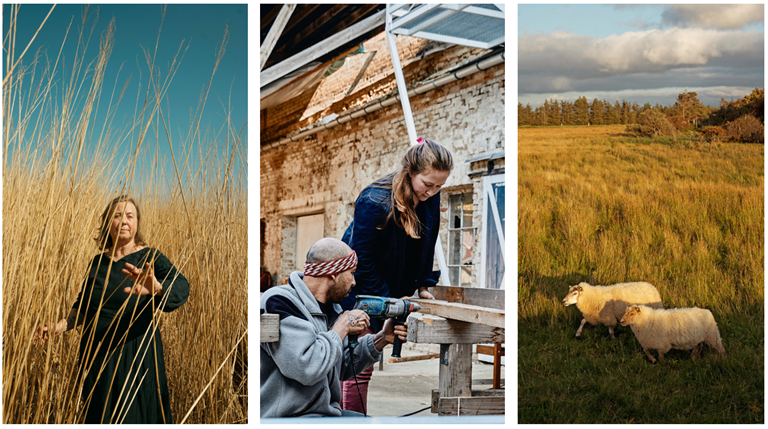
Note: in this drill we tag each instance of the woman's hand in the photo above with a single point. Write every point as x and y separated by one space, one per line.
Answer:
144 281
43 331
424 293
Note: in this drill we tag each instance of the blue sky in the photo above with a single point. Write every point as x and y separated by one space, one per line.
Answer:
643 53
200 27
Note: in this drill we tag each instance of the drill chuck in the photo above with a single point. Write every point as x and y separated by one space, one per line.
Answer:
385 308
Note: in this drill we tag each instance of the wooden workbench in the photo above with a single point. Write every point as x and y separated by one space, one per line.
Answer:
456 319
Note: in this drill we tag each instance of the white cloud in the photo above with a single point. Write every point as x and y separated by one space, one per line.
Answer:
722 16
664 49
636 51
561 61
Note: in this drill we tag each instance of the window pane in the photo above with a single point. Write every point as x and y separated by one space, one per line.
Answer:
454 275
498 192
494 262
466 276
467 246
455 221
455 247
468 210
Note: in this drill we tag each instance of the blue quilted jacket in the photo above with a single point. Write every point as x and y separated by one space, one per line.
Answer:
381 252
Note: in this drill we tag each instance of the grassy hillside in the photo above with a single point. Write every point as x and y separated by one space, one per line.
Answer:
599 206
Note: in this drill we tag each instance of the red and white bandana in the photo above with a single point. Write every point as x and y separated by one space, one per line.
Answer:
332 267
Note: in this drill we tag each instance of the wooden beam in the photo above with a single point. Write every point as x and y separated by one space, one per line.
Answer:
475 394
488 392
414 358
306 34
298 16
465 312
354 16
431 329
478 406
484 381
316 51
270 328
275 32
491 298
361 72
455 373
270 16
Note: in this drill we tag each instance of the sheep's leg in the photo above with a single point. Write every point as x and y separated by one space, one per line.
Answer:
610 330
650 356
578 331
661 356
696 351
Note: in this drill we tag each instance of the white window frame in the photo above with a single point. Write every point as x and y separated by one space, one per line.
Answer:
489 203
473 268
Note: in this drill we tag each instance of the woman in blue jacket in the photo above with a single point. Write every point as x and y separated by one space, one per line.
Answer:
394 232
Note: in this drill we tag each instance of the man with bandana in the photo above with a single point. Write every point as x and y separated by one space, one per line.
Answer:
301 373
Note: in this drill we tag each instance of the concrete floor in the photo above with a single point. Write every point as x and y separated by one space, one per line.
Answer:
402 388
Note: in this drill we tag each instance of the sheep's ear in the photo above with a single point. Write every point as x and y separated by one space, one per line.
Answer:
580 289
637 310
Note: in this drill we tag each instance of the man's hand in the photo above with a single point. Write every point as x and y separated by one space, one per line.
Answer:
390 330
352 322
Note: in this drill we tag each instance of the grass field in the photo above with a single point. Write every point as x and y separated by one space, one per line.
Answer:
59 172
599 206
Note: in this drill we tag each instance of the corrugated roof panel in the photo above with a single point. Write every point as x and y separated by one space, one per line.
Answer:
469 26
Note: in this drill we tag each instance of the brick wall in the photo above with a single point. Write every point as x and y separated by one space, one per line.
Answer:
326 171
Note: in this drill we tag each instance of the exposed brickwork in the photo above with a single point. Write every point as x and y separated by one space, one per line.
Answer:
326 172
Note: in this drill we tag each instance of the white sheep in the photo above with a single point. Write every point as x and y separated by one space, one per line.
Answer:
605 305
678 328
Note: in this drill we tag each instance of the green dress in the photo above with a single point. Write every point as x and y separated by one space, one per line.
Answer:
132 386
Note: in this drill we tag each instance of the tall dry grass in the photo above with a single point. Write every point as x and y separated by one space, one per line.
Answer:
60 169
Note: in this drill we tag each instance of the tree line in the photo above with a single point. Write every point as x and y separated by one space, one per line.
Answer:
735 120
580 112
686 110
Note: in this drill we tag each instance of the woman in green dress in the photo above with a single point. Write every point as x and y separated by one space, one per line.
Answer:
121 353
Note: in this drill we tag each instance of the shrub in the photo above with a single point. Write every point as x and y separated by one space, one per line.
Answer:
746 129
713 134
652 123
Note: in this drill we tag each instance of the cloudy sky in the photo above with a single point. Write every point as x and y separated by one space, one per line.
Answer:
642 53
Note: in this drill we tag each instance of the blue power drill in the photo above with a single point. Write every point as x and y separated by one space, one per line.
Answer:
385 308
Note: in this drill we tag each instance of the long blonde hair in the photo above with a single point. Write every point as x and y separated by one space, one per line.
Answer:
106 221
420 158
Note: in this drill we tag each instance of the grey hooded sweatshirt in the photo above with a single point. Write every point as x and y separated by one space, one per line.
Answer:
301 373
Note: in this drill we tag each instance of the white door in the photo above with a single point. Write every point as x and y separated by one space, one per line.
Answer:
309 229
492 260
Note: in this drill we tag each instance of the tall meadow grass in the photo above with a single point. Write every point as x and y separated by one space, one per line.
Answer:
599 206
60 169
593 208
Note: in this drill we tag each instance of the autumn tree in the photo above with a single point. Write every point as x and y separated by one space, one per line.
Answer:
688 108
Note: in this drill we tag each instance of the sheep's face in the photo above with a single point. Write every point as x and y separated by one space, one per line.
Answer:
573 295
629 315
